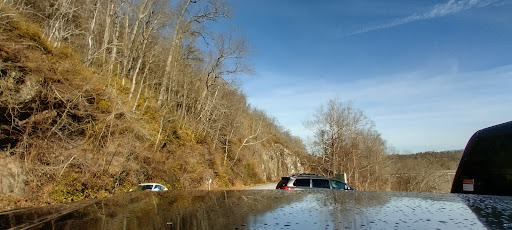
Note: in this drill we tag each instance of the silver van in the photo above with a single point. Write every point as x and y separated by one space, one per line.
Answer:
306 181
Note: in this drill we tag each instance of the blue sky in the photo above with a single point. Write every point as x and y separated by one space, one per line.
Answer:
428 73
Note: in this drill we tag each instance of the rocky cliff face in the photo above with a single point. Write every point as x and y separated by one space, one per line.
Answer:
280 161
12 177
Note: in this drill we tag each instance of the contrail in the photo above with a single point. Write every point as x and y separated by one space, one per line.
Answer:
439 10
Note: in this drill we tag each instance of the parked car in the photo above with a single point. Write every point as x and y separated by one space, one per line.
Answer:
306 181
149 187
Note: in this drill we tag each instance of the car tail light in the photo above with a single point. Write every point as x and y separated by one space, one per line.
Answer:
287 188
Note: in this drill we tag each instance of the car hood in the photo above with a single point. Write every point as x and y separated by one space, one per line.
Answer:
273 209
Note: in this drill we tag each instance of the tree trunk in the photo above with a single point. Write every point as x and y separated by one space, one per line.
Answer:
106 34
90 37
174 44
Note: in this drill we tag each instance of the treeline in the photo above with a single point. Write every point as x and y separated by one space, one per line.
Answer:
424 171
97 96
443 160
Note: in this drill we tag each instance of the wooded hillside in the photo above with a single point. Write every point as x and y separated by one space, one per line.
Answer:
425 171
97 96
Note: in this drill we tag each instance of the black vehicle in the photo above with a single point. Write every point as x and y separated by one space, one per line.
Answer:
486 164
305 181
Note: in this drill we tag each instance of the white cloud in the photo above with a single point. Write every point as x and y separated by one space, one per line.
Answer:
420 109
439 10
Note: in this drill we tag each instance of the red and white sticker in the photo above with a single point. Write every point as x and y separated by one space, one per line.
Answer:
468 185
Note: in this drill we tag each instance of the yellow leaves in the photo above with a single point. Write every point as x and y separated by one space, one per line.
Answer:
223 178
32 32
67 64
175 185
74 187
69 189
182 136
104 105
251 173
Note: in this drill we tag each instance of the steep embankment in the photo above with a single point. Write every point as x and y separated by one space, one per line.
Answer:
68 132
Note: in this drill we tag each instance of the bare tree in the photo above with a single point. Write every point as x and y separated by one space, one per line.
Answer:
112 8
346 141
150 23
90 35
59 23
131 35
204 11
250 140
174 43
230 57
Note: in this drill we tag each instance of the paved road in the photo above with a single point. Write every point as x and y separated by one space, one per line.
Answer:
270 186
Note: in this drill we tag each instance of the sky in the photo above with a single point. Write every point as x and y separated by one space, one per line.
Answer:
428 73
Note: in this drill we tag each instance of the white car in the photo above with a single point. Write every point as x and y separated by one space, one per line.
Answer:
149 187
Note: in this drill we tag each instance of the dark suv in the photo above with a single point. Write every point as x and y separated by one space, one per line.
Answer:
306 181
485 166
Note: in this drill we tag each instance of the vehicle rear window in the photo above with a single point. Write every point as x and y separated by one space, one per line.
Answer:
338 185
146 187
301 182
320 183
283 182
490 154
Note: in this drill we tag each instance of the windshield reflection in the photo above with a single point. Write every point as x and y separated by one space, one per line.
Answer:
272 209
